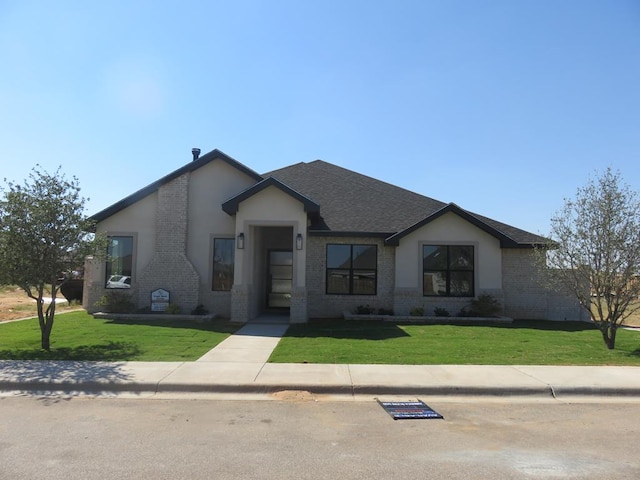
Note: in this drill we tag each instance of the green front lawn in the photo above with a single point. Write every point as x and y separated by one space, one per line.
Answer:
523 343
78 336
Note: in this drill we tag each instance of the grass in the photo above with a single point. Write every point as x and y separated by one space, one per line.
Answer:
523 343
78 336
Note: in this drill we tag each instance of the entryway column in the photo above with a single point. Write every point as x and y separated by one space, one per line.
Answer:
298 311
240 303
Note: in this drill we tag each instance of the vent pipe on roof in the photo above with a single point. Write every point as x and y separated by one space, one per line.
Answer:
196 153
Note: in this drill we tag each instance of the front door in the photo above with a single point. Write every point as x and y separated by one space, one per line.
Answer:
280 278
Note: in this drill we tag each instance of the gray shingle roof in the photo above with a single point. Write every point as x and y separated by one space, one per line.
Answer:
348 202
351 202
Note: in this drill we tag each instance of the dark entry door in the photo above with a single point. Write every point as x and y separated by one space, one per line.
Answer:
280 278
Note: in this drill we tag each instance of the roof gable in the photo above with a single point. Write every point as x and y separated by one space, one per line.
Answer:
189 167
505 240
355 203
231 206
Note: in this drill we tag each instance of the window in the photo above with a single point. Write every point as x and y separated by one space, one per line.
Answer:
351 269
223 262
447 270
119 262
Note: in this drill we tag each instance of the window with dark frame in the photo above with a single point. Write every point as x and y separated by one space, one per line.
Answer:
119 264
448 270
223 264
352 269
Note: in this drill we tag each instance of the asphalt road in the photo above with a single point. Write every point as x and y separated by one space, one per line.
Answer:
297 438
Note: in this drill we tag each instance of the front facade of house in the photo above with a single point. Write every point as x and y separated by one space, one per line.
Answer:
313 240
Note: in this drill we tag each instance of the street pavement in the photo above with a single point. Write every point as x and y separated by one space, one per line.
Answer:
238 366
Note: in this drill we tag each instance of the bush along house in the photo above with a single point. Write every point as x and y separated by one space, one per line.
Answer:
312 240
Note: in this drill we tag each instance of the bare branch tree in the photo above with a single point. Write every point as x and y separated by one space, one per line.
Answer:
597 254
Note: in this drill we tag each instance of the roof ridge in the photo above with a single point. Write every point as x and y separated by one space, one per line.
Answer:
374 180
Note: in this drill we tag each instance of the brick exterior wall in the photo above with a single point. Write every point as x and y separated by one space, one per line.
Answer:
407 299
169 267
240 304
526 294
321 305
298 310
218 303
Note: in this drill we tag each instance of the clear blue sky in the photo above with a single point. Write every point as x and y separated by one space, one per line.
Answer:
504 107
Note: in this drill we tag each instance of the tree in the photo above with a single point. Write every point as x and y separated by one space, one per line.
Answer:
44 236
597 254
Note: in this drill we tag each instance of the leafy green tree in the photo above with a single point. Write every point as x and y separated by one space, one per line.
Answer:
44 236
597 254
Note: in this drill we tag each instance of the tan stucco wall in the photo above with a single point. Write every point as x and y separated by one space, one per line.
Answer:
269 208
209 187
138 220
449 229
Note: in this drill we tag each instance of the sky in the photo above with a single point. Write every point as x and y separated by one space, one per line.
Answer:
504 107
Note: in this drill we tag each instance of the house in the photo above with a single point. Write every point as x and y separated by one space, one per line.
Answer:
313 239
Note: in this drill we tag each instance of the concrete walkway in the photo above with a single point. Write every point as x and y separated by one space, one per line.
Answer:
239 366
253 343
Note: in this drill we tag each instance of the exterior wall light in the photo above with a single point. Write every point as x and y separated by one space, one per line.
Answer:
240 241
299 241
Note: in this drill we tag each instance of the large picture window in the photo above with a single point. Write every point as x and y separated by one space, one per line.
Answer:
352 269
448 270
119 262
223 262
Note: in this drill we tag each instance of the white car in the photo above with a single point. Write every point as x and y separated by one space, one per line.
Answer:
119 281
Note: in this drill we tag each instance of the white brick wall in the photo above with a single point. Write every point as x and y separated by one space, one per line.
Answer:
332 306
526 294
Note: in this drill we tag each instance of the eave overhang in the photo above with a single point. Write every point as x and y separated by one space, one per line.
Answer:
505 240
189 167
231 206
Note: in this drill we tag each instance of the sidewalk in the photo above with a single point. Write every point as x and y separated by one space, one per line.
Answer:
238 366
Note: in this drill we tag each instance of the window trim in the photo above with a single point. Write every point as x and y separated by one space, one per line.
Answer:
213 259
448 270
351 270
134 254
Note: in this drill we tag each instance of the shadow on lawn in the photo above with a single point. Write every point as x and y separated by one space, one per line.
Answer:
380 330
352 329
108 352
219 326
559 326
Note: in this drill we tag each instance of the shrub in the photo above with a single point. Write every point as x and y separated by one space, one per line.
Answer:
417 312
172 309
440 312
116 302
199 310
363 310
485 305
385 311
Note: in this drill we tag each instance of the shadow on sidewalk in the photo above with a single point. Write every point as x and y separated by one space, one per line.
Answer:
47 375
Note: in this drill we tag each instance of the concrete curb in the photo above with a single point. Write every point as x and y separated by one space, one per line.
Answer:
95 387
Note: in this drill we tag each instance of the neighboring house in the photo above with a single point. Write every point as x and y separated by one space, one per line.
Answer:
311 238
